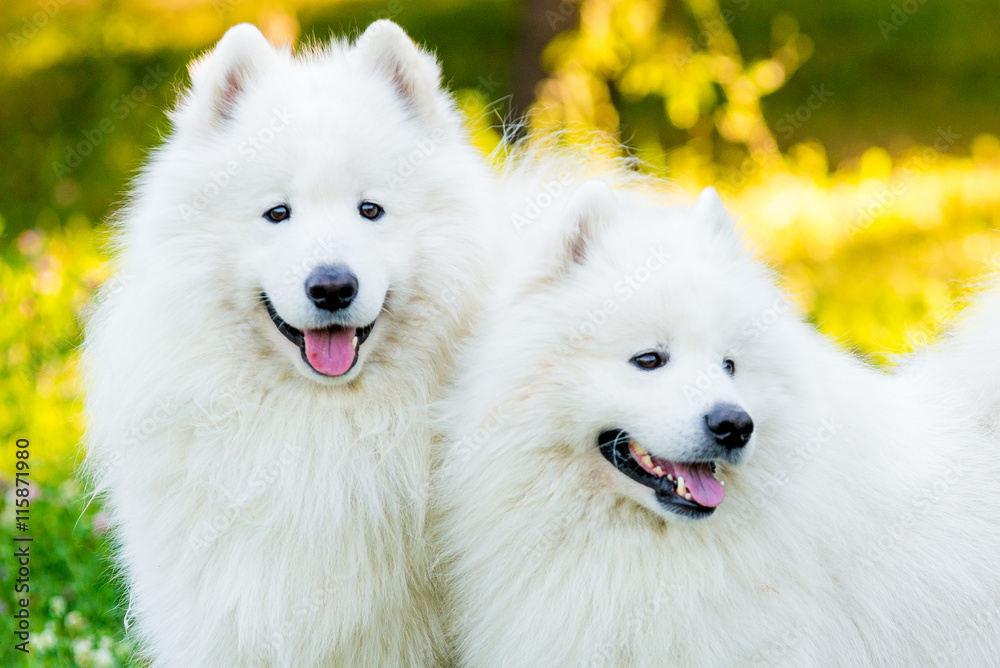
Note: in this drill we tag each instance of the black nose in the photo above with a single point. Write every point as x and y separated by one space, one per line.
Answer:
729 425
332 288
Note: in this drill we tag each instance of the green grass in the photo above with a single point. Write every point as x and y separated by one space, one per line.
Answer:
76 604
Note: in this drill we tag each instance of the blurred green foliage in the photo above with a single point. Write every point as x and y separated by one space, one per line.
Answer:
937 69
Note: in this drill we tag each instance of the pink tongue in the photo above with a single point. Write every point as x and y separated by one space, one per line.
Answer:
698 479
330 351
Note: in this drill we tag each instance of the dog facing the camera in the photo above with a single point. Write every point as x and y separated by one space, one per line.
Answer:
653 461
296 265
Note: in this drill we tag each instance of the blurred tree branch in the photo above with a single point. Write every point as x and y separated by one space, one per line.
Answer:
681 51
540 22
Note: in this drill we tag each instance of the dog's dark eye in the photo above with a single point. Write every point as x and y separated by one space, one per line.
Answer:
278 214
370 210
730 366
652 359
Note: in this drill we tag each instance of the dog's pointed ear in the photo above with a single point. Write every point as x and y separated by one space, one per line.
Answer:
710 209
415 75
592 209
221 77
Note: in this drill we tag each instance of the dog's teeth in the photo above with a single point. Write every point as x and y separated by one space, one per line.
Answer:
354 343
688 496
670 477
681 488
639 449
646 461
722 482
658 471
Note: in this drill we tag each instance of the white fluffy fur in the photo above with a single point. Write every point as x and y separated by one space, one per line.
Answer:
268 516
966 361
861 528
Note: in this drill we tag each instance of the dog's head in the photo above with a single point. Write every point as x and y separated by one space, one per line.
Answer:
320 183
658 349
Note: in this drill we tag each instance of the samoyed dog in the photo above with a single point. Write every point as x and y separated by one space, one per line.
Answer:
296 265
653 461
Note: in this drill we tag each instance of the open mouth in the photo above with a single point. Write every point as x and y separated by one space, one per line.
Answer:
331 351
689 489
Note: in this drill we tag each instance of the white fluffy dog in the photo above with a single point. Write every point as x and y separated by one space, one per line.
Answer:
653 461
296 263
